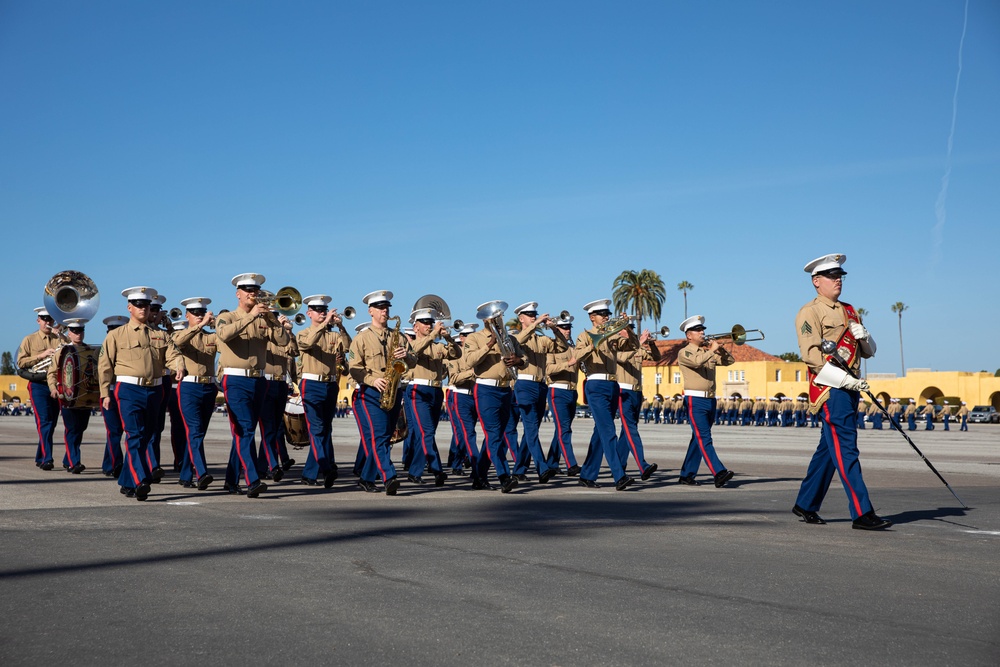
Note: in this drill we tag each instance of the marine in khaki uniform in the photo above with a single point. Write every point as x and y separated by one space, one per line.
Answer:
698 361
834 394
368 361
963 414
530 390
630 399
75 420
112 465
323 347
875 417
424 397
280 375
192 359
242 336
561 376
36 347
928 414
462 408
911 415
131 367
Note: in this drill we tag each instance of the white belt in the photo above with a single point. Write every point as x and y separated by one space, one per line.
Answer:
568 386
626 385
243 372
699 394
142 382
527 376
318 377
602 376
459 391
493 383
426 383
200 379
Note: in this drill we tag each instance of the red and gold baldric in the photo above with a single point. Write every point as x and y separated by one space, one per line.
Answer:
847 350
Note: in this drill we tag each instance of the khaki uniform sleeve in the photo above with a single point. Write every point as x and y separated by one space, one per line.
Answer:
105 365
809 330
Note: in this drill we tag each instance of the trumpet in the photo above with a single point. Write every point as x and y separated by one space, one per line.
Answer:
664 331
548 322
300 318
738 335
176 313
458 325
349 312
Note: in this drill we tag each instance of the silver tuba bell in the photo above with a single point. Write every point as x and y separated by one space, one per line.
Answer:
491 313
71 295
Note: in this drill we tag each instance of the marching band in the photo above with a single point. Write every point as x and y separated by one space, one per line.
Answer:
485 380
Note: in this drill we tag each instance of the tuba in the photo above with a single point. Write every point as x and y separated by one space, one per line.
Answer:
491 313
394 369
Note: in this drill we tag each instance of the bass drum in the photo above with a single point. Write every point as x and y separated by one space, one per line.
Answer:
76 376
296 429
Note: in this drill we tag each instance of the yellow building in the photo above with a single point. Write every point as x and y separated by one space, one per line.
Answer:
15 389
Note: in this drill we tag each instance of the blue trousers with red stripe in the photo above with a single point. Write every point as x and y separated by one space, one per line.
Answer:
531 399
75 422
196 403
153 457
837 451
456 451
424 413
138 407
700 411
629 404
376 427
272 422
46 410
563 405
493 409
602 397
178 437
244 400
320 402
511 443
464 422
113 432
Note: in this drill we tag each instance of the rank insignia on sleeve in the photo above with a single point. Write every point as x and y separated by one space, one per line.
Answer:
806 328
687 354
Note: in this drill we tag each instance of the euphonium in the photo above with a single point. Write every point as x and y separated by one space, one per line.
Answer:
608 329
394 368
491 313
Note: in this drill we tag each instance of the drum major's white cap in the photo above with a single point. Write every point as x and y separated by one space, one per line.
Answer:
825 263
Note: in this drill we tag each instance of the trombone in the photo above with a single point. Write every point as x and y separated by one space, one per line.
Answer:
738 335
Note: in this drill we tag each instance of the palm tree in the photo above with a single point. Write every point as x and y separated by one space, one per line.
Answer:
685 286
862 314
640 292
898 308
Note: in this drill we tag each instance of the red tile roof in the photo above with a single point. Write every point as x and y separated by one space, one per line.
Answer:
669 349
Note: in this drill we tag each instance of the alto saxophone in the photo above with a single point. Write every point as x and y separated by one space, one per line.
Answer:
394 369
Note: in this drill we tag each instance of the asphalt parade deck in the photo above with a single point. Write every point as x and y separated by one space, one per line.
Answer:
547 575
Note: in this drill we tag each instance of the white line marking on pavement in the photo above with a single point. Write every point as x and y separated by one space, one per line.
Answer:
982 532
183 502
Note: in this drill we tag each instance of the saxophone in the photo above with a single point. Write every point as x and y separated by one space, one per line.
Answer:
394 369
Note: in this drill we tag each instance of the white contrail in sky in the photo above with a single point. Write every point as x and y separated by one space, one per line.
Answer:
940 210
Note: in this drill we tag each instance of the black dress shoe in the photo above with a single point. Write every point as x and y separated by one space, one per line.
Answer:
391 486
871 521
589 483
368 486
722 477
141 491
157 473
308 481
440 478
48 465
807 516
689 480
65 467
414 480
547 475
232 489
77 469
107 473
329 477
507 483
650 469
122 490
573 471
623 483
520 478
277 474
481 485
128 493
256 489
204 481
288 464
458 472
187 484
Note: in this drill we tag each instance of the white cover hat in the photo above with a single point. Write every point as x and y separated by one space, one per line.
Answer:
41 312
468 329
196 302
361 327
248 279
600 304
159 299
74 323
825 263
139 293
115 321
317 300
529 306
378 296
693 321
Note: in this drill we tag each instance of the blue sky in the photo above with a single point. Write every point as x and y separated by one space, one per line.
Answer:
519 150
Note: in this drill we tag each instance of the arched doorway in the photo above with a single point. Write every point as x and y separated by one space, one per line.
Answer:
995 400
931 394
884 398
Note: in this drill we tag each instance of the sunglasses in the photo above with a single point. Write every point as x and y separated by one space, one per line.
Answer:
832 275
78 330
426 320
140 304
381 306
46 318
530 313
198 312
565 327
319 309
602 313
249 288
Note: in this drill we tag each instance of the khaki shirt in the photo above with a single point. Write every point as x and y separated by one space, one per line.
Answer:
31 348
558 368
193 352
963 411
319 347
928 410
605 358
242 339
486 362
279 360
822 319
911 409
630 363
459 373
537 347
698 366
132 350
369 351
431 357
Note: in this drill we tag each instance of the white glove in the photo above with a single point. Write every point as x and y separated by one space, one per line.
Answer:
864 339
832 375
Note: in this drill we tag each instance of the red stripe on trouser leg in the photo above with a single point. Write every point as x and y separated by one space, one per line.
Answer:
840 460
628 433
128 452
374 451
701 445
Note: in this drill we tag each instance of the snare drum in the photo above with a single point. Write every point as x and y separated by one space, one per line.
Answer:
296 429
